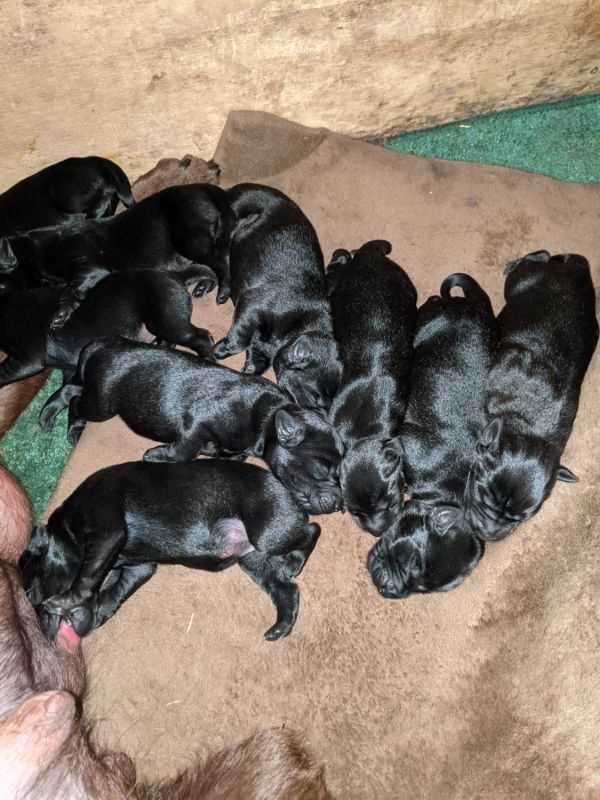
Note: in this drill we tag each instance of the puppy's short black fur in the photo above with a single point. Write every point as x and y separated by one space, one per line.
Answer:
282 315
198 407
432 548
108 537
138 304
76 187
373 304
548 332
184 230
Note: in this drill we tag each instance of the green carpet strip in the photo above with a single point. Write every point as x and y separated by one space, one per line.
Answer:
561 140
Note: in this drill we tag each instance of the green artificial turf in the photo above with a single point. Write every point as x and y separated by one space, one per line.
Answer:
561 140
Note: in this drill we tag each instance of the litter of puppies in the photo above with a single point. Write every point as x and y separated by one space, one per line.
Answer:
376 397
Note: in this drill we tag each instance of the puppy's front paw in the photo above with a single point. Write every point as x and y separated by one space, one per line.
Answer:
59 319
221 349
74 432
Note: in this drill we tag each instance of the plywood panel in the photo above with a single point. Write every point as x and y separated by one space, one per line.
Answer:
138 79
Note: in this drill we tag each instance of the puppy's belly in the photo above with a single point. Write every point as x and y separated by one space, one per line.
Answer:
144 335
231 539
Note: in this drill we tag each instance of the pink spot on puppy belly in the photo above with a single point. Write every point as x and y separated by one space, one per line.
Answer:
145 336
66 637
232 539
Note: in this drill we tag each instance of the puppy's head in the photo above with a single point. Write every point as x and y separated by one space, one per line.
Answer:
373 483
46 569
309 369
429 550
510 479
304 452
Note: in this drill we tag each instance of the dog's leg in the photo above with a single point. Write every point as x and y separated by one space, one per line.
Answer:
170 322
12 370
296 560
57 403
100 553
183 450
270 573
244 326
120 584
78 286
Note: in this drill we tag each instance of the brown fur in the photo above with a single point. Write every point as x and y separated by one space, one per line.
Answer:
271 765
16 397
15 517
175 172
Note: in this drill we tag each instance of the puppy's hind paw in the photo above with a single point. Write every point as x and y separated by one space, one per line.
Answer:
204 286
278 631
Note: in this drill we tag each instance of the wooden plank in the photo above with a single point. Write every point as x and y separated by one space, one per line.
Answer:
137 79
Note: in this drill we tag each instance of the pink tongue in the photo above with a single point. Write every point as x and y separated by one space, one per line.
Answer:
67 637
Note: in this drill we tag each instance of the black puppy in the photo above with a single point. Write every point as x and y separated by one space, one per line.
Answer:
139 304
184 230
198 407
108 537
548 332
432 547
76 187
282 315
373 304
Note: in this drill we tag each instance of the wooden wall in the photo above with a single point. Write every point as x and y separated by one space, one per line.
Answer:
139 79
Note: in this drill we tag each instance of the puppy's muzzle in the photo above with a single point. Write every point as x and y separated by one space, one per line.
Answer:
378 564
488 529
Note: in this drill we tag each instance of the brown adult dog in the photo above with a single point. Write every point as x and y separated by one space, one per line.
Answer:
175 172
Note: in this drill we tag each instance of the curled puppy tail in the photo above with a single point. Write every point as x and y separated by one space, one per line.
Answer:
374 248
271 764
470 288
121 183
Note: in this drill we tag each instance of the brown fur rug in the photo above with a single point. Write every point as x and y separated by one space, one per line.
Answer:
489 692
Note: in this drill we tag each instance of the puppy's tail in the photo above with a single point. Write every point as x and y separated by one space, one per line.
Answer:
375 248
470 288
120 181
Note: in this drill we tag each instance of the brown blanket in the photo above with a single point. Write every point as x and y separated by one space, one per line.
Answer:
490 691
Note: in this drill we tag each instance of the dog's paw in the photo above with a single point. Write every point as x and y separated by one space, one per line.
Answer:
59 319
221 349
204 286
74 432
278 631
46 420
223 295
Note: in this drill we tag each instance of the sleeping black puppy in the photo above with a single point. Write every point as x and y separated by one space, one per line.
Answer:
108 537
548 332
138 304
76 187
282 315
373 304
432 548
184 230
198 407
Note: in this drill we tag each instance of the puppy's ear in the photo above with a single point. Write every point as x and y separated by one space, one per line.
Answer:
415 565
340 257
490 437
290 430
392 452
299 354
244 222
565 474
38 544
8 259
444 517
